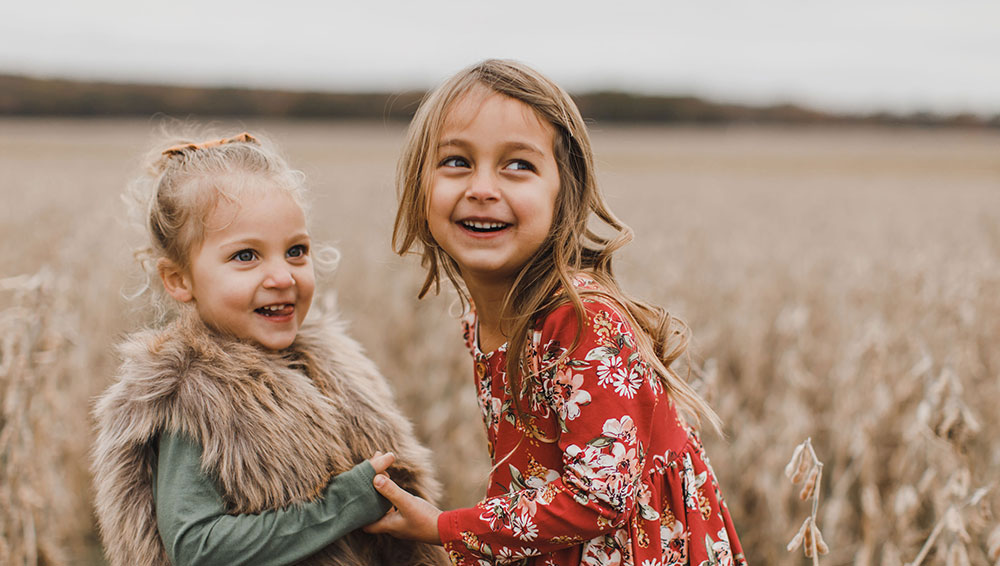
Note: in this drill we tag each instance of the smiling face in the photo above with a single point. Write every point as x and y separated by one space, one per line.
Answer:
493 187
252 276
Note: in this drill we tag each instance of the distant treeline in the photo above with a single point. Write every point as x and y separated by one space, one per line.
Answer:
26 96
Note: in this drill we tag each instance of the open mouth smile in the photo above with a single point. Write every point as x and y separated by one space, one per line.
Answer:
274 311
483 226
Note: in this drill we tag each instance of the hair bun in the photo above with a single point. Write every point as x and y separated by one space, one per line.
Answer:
180 149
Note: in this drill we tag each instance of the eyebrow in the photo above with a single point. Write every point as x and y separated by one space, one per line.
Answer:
257 242
507 146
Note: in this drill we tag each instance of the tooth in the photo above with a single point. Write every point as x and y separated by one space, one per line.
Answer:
484 225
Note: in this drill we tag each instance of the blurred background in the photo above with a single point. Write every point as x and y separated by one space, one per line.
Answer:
815 189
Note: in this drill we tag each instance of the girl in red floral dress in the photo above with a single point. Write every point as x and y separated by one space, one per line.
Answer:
594 462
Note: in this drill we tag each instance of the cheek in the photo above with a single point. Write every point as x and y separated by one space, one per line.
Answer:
552 204
308 287
306 282
438 210
541 210
305 278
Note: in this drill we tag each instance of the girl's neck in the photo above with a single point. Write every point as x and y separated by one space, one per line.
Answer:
488 298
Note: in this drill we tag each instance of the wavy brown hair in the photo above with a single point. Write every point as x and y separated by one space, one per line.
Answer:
571 247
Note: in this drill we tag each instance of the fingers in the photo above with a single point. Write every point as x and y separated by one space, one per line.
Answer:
381 462
389 523
389 490
412 517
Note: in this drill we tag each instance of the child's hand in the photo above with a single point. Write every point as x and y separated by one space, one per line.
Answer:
381 462
410 518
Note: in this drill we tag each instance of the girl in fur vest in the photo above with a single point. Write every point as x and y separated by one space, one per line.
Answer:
239 432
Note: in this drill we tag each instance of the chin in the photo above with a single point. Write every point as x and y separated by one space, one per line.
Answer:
274 342
280 344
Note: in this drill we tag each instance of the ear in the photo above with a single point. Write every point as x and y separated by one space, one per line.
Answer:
175 280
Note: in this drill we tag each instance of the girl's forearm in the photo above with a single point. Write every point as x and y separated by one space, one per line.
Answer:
195 528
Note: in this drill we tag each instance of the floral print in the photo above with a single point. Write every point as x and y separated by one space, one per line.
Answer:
601 471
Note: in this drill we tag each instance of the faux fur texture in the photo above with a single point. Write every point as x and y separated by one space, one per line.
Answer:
274 428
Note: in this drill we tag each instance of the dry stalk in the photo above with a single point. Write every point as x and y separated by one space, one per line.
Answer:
34 340
953 522
951 424
993 545
805 464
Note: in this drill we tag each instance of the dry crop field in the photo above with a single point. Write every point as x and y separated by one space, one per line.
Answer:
841 284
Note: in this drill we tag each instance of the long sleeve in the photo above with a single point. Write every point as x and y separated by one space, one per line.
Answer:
600 399
195 529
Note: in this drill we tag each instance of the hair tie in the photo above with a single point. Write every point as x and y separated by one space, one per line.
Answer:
179 149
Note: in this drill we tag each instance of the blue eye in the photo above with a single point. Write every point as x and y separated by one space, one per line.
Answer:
245 255
454 162
520 165
297 251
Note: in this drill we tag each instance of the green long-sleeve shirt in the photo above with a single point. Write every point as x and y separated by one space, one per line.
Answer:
195 528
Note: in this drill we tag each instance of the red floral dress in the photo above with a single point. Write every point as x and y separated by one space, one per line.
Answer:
626 483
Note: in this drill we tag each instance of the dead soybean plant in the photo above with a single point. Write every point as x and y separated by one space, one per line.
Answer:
38 359
804 465
947 424
951 529
993 544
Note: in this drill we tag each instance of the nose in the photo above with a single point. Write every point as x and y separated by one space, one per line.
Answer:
483 186
278 277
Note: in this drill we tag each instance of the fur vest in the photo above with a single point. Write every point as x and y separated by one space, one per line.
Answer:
274 428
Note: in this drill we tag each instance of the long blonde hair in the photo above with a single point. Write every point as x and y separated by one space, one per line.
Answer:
571 246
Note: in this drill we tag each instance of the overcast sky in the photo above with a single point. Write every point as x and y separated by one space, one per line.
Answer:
853 55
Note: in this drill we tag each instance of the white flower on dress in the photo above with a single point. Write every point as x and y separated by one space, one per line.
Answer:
539 482
598 553
628 384
523 527
570 394
582 460
674 544
509 556
609 474
504 556
642 499
610 367
620 458
723 553
692 483
623 430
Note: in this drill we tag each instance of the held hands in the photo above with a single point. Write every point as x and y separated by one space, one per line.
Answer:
410 518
